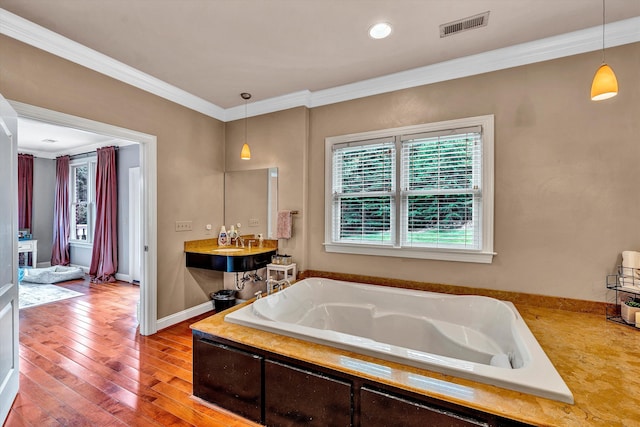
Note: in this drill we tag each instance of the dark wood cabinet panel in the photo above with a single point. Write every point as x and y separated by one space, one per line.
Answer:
228 377
279 391
295 397
380 409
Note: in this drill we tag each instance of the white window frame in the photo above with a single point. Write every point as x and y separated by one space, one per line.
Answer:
91 163
483 255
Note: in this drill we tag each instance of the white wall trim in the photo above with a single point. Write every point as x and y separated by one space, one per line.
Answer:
302 98
574 43
123 277
33 34
183 315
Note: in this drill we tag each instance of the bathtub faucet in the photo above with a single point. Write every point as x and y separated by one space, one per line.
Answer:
272 286
285 284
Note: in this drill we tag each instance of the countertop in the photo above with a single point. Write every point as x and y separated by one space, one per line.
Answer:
599 360
210 247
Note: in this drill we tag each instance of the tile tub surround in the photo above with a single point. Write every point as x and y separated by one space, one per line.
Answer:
597 359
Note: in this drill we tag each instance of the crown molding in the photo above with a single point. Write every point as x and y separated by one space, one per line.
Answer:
35 35
574 43
279 103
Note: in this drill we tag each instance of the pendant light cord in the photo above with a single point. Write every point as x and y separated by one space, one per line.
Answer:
245 119
603 23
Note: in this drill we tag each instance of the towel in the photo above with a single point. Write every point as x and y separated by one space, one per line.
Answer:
284 225
629 281
631 263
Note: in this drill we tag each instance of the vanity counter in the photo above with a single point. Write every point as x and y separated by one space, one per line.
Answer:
208 255
210 247
597 359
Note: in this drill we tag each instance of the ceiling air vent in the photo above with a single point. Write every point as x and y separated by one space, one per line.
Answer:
464 24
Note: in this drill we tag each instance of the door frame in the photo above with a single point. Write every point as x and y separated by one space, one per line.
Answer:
148 175
10 383
135 210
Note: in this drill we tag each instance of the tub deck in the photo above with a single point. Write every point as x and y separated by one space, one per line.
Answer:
474 337
596 358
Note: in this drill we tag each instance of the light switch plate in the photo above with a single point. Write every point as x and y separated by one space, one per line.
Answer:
254 222
184 226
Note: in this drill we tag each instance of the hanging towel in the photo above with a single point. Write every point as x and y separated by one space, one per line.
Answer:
284 225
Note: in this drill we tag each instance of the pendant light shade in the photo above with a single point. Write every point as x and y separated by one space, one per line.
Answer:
245 154
605 84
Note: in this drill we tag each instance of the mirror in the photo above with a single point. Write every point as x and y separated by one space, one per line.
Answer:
251 199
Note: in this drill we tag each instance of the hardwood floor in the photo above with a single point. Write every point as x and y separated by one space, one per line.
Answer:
83 363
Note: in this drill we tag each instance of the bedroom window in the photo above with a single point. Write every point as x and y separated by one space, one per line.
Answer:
82 182
421 191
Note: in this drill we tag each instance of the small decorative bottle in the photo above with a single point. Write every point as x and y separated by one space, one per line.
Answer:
222 237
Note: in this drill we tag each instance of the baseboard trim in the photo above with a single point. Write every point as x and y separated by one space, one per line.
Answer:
123 277
183 315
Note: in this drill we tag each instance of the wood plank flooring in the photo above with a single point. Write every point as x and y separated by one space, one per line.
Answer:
83 363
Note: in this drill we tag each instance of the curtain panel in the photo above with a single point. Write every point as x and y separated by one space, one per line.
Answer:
104 259
61 220
25 190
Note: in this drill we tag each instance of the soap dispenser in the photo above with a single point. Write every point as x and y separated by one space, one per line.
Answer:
222 237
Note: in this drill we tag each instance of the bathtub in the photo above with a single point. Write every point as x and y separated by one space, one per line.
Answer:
472 337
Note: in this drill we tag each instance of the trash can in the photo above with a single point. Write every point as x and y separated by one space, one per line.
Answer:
223 299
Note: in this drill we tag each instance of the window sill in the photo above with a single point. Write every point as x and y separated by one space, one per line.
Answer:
440 255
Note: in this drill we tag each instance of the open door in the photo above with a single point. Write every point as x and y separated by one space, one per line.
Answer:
9 374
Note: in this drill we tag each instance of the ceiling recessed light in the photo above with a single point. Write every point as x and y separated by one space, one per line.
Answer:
380 30
50 141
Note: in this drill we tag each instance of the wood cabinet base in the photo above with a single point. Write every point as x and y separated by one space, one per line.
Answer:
280 391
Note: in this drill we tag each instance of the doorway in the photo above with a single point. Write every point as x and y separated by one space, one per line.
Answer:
146 232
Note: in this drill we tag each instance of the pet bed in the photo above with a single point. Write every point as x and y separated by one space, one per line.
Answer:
55 274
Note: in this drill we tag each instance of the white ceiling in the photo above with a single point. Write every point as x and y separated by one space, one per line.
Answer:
216 49
50 141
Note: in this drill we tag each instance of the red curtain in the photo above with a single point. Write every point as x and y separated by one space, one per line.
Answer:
61 224
25 190
104 260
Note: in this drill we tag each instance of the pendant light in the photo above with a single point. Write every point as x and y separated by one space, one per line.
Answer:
605 84
245 154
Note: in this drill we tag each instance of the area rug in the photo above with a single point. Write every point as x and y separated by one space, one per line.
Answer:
32 294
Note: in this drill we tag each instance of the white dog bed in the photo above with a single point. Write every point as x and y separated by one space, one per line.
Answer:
55 274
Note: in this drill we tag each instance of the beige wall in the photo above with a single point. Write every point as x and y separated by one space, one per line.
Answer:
566 168
190 153
566 192
276 140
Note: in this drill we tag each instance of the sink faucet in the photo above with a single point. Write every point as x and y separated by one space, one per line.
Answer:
241 240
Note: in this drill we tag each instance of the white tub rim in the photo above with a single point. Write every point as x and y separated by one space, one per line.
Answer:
527 379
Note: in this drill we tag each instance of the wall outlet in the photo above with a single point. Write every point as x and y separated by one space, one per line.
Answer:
184 226
254 222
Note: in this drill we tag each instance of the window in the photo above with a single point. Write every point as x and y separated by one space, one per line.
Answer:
82 182
421 191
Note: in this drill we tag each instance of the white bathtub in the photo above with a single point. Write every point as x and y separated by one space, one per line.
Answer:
473 337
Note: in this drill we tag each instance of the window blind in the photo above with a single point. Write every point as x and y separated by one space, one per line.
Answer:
364 192
441 189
